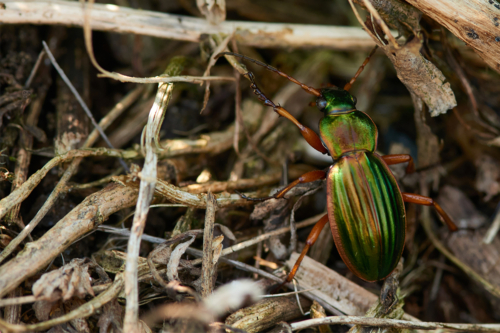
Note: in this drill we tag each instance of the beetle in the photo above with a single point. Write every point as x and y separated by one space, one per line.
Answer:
365 205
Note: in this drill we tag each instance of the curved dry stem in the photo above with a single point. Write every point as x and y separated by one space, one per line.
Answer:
87 33
360 20
382 24
394 323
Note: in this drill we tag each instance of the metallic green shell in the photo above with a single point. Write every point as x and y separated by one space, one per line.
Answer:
337 100
366 214
345 132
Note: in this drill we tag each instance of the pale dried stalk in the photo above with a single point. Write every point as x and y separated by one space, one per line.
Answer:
492 230
113 18
394 323
87 32
241 184
382 24
146 190
207 267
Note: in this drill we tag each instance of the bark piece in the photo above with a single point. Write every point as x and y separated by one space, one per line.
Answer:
476 22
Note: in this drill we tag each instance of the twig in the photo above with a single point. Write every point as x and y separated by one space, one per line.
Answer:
17 300
381 23
28 186
80 100
393 323
34 70
207 267
221 47
493 229
146 190
83 218
239 265
87 32
137 21
360 20
261 238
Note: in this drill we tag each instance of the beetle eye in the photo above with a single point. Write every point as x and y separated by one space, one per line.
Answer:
321 103
354 100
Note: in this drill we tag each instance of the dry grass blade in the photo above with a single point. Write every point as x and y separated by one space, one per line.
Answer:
393 323
125 78
146 190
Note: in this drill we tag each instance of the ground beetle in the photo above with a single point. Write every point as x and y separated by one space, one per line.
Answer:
365 205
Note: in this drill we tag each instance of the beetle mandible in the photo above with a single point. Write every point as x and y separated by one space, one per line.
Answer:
365 206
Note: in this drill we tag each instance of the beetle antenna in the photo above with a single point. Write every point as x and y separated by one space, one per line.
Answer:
310 90
350 83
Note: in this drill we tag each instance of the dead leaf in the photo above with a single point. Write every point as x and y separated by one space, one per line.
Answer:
460 208
422 77
70 280
43 309
487 176
225 231
175 258
213 10
80 324
112 315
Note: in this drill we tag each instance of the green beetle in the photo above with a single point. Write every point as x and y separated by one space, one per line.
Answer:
365 206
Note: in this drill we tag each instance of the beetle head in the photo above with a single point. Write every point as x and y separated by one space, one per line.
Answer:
334 100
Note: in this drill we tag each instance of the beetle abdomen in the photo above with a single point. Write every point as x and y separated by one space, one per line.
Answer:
367 214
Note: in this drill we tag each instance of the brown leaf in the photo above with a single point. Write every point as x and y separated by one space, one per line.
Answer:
487 176
112 315
175 258
214 10
70 280
460 208
80 324
422 77
43 309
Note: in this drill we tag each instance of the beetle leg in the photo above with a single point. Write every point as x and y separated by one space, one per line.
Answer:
311 239
308 177
426 201
311 137
400 158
